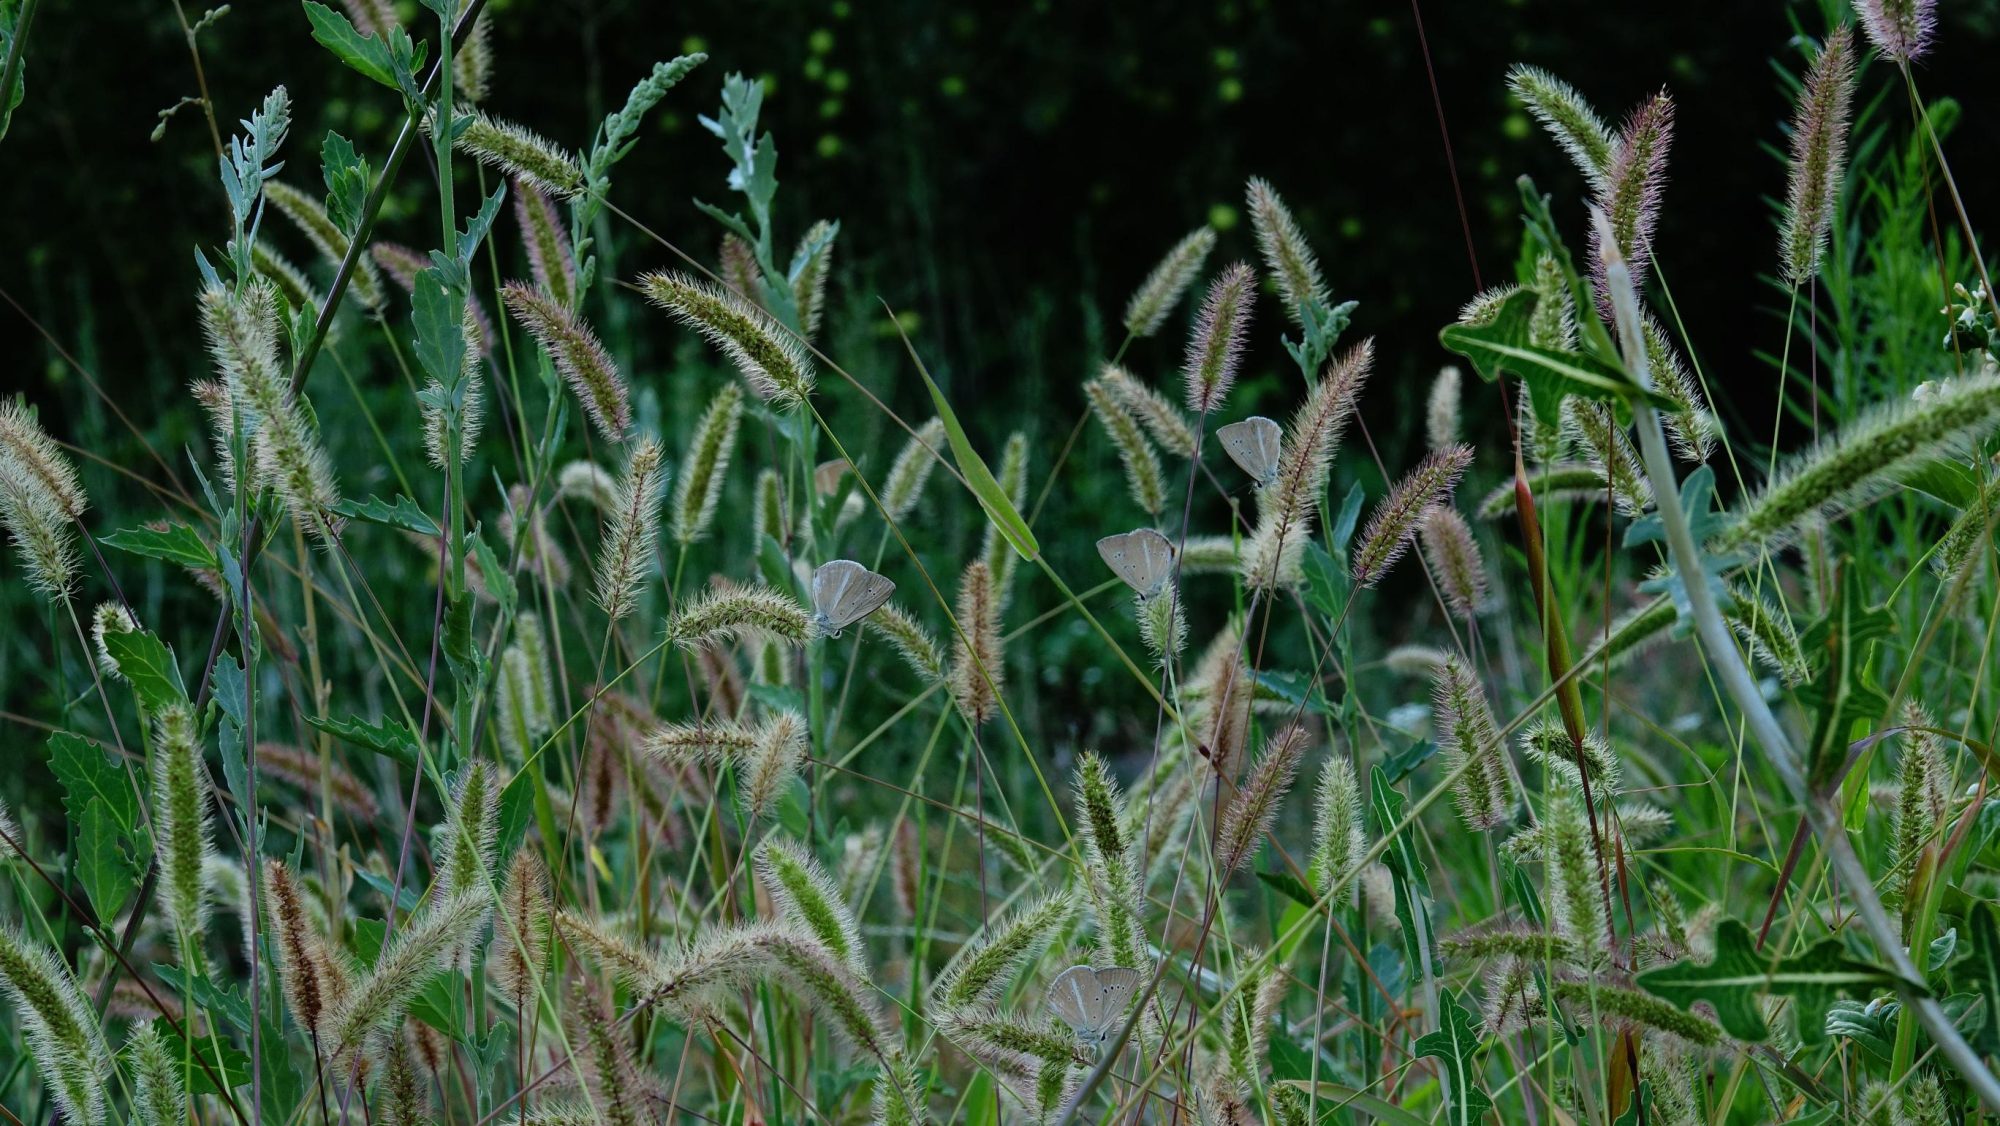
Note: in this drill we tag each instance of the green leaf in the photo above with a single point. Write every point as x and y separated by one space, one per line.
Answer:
1501 347
1982 971
1636 1111
347 177
994 499
86 774
1290 886
1455 1042
1326 581
146 661
1738 975
1339 1096
1871 1025
388 738
1412 884
175 543
103 867
401 512
216 999
365 53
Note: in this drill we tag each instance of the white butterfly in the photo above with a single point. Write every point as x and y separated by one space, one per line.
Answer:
1091 1001
1143 558
1255 444
844 592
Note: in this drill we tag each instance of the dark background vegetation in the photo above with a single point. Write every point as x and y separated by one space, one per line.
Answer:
1004 174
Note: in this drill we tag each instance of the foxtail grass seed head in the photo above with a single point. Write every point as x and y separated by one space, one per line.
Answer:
1287 256
911 470
513 706
1395 520
1154 411
521 932
577 354
1592 428
44 538
551 261
1865 458
1473 751
1923 795
706 466
1547 742
768 518
1766 631
1441 411
472 62
109 618
1900 29
1454 559
631 544
303 771
1691 425
1574 895
1111 867
242 335
587 482
158 1096
302 964
419 950
533 644
471 831
812 264
1568 118
518 153
61 1028
807 898
978 661
1819 158
1635 182
1143 475
181 823
1161 291
1215 349
1338 843
29 455
983 969
1287 507
740 614
1255 807
1162 624
912 641
1641 1009
737 265
310 217
770 359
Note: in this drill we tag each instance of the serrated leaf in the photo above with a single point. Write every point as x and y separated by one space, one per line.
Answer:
1455 1042
1737 975
365 53
1326 581
400 512
148 664
86 772
389 737
1500 347
347 176
102 865
175 543
985 489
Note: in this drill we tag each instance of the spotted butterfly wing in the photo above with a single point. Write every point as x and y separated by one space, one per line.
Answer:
1144 559
1254 444
1091 1001
844 592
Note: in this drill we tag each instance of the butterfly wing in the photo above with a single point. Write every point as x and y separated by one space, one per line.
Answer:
830 587
1144 559
1254 444
1074 997
864 598
1117 985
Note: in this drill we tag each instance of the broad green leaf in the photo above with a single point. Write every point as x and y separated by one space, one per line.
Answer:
1636 1110
400 512
1738 975
87 773
389 737
1501 347
365 53
1455 1042
994 499
175 543
347 177
146 661
103 866
1326 581
216 999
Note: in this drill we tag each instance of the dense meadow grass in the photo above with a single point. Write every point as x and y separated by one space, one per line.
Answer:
627 711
